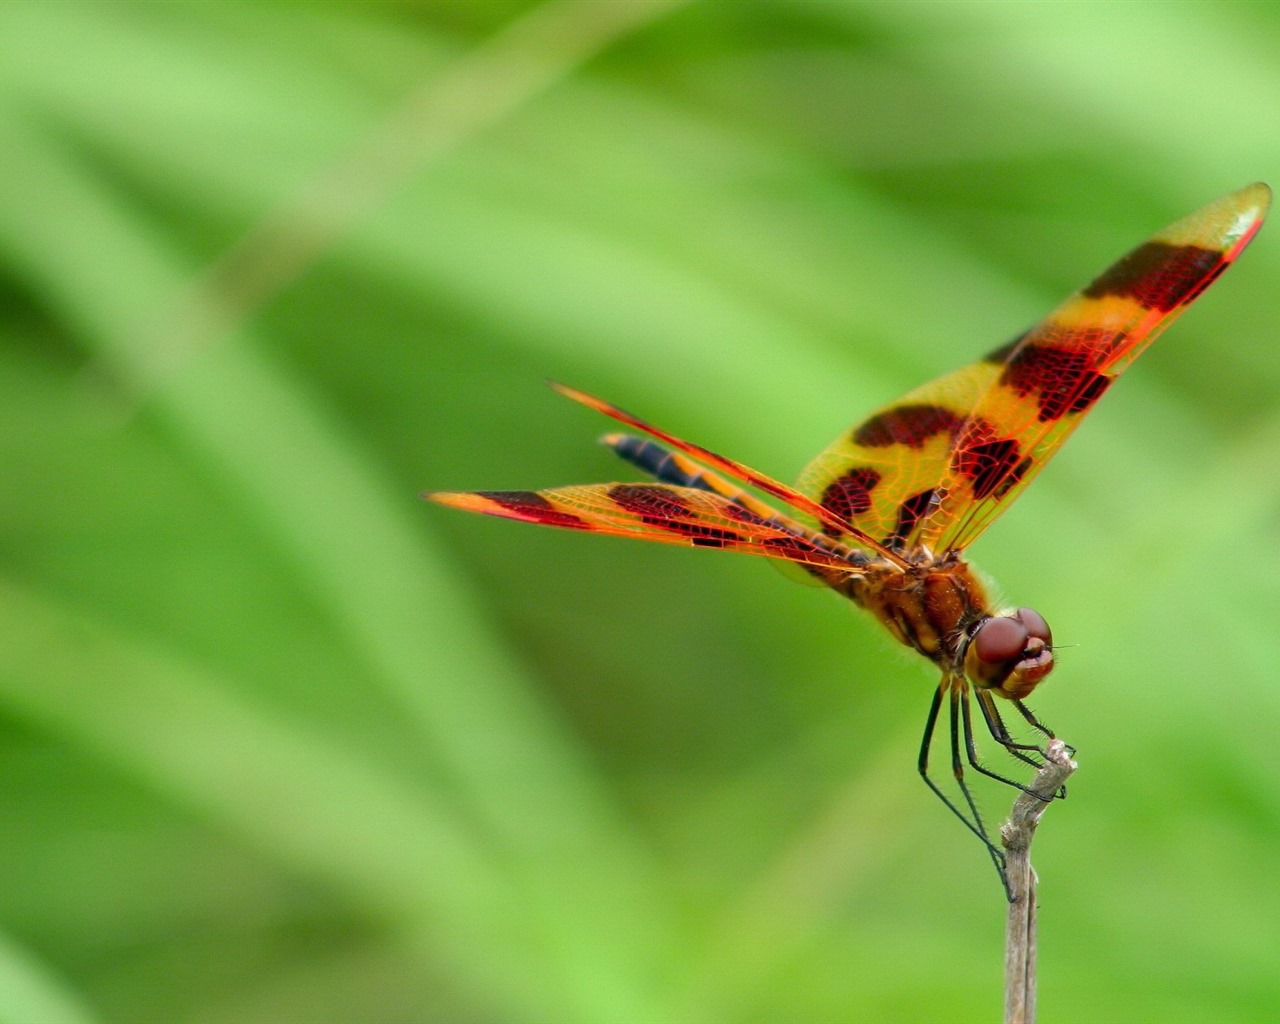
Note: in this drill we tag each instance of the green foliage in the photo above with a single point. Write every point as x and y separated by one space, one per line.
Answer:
280 742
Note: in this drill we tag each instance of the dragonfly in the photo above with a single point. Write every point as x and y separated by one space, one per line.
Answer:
883 514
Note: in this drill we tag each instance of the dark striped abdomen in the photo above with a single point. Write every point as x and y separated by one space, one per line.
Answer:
662 464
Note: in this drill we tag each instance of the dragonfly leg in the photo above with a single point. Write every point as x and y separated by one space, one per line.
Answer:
1039 726
1000 732
994 722
1036 724
974 823
958 715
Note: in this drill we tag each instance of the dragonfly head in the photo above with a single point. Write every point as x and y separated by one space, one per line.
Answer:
1010 653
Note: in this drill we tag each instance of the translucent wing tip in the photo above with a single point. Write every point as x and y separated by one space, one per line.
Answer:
1229 222
1250 205
1255 201
1259 193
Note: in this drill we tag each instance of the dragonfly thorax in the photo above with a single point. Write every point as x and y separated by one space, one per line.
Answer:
943 611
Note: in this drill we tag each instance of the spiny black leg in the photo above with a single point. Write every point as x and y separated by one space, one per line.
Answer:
923 764
959 712
971 748
1000 732
1036 724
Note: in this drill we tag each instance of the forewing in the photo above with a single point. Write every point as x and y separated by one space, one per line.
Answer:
797 500
938 466
1048 380
661 513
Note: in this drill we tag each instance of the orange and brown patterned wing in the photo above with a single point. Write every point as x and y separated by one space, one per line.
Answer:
663 513
939 466
710 463
1051 377
884 476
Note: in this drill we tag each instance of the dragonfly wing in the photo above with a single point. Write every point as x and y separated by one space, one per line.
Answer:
800 502
884 476
665 514
937 467
1049 379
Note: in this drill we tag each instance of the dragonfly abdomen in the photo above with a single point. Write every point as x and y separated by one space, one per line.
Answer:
666 466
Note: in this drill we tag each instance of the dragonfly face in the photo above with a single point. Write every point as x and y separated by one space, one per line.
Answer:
1010 653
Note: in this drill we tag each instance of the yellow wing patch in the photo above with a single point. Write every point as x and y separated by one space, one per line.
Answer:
936 468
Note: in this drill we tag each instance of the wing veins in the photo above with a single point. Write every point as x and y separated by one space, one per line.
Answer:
800 502
662 513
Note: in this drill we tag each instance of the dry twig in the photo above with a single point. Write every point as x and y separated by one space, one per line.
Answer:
1015 836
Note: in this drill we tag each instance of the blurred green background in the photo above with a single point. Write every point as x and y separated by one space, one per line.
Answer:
280 742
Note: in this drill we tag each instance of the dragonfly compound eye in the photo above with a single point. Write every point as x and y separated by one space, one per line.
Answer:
1036 626
1000 639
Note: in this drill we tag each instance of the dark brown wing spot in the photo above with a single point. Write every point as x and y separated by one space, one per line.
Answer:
645 499
1063 380
907 424
1212 276
911 512
669 512
990 465
1159 275
744 515
533 506
849 495
1013 476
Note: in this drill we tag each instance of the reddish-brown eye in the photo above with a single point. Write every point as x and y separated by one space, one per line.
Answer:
999 640
1036 626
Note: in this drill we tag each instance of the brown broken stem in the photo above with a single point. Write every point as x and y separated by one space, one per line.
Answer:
1015 836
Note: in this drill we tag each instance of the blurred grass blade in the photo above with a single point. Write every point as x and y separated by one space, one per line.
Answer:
352 540
29 993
